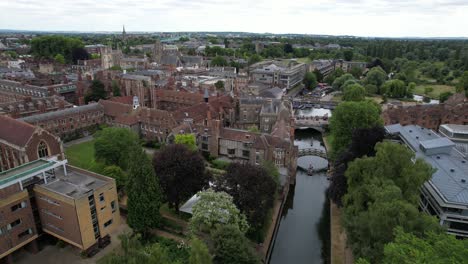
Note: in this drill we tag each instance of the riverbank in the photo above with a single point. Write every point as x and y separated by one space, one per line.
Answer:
339 250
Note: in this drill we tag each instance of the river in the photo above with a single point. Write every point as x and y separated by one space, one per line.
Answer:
303 235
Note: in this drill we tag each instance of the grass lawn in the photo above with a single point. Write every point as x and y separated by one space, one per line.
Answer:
437 90
82 156
304 60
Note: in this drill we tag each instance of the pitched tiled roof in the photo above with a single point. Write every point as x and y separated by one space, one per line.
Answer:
122 99
114 108
15 132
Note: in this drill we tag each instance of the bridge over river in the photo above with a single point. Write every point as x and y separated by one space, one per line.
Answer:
311 103
316 122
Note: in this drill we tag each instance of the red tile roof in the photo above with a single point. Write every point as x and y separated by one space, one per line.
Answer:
15 132
123 100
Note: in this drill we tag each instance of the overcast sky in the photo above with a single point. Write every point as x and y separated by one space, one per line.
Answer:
383 18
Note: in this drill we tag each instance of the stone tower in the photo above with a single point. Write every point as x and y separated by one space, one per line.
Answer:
124 34
158 51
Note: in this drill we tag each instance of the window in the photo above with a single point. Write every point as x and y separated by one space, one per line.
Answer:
42 150
113 206
101 197
18 206
25 233
245 153
102 208
13 224
108 223
231 151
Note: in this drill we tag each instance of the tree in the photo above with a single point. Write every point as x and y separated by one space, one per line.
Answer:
362 144
383 193
219 85
96 93
216 208
334 75
187 140
117 174
49 46
463 84
354 93
445 96
253 191
371 89
356 72
319 75
79 53
431 248
113 145
254 59
232 247
219 61
376 76
144 193
348 55
349 116
181 172
288 48
115 88
310 81
59 59
395 89
338 83
199 253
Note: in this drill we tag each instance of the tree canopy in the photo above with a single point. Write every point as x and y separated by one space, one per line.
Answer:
144 193
113 145
349 116
199 253
219 61
310 81
96 92
376 76
354 92
181 172
52 45
187 140
232 247
432 248
340 81
395 89
383 193
253 191
216 208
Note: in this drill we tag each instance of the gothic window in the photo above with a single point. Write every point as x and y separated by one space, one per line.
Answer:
42 150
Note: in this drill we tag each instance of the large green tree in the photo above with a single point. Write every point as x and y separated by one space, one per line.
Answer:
376 76
349 116
253 191
186 139
432 248
383 193
49 46
216 208
144 193
219 61
340 81
310 81
181 172
113 145
96 92
354 92
463 84
199 253
395 89
232 247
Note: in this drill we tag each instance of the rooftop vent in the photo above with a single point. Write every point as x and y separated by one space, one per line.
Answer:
463 180
463 161
452 170
429 134
417 137
438 157
89 183
247 136
411 131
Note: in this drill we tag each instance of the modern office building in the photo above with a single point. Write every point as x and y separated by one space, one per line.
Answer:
284 76
49 196
445 195
458 134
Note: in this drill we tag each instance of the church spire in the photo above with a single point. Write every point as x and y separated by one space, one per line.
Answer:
124 34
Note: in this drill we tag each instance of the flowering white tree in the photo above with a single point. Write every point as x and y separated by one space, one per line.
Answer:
215 208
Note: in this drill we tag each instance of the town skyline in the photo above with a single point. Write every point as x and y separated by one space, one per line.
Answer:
401 19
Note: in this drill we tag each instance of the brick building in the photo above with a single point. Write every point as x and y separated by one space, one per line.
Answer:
33 106
453 111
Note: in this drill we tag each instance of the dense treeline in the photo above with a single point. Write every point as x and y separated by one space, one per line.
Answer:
49 47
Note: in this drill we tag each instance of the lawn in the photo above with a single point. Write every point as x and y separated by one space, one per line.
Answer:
437 90
82 156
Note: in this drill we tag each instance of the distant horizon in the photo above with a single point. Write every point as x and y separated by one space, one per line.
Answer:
8 30
361 18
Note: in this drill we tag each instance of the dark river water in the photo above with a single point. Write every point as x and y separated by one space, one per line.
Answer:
303 235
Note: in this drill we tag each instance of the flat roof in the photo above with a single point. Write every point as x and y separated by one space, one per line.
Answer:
24 170
75 184
459 129
451 176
